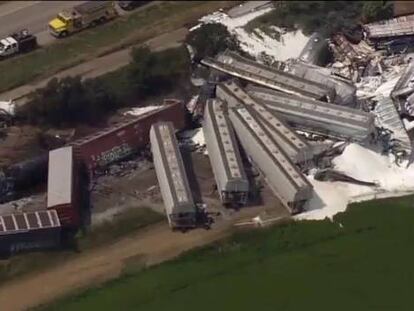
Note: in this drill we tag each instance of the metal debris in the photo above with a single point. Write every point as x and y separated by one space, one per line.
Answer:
333 175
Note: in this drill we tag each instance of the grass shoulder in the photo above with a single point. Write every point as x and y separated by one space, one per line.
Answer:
362 259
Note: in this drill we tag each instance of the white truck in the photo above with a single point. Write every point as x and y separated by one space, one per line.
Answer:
20 42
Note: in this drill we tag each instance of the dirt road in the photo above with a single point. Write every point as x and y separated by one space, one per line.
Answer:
99 66
154 245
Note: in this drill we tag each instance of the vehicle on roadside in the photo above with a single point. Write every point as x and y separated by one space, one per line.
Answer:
85 15
130 5
17 43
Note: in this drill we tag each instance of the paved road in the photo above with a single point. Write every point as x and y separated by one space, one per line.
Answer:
98 66
33 15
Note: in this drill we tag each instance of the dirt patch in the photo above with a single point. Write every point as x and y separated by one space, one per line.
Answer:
154 245
19 144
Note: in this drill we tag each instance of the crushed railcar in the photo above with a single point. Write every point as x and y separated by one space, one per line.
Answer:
318 117
172 178
295 147
121 140
240 67
29 231
345 89
394 27
284 179
224 154
404 86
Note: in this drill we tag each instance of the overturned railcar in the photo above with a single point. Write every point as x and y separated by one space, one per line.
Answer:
295 147
240 67
29 231
284 179
121 140
172 178
317 117
224 154
67 187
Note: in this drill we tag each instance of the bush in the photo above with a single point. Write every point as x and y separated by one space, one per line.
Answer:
328 17
211 39
157 73
68 101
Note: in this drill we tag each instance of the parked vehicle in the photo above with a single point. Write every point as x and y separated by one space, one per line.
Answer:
20 42
88 14
130 5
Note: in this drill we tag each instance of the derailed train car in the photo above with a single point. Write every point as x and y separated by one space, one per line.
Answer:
224 154
281 174
68 187
120 141
29 231
296 148
240 67
317 117
172 178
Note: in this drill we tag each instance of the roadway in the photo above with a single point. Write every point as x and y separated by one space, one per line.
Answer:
32 15
98 66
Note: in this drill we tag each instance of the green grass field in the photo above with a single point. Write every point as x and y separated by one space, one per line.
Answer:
311 265
122 32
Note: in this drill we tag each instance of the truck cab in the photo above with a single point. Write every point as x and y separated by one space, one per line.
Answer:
84 15
65 23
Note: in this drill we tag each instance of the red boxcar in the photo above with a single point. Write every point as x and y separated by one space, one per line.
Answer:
68 187
121 140
63 185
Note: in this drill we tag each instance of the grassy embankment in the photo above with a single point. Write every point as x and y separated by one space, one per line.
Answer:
363 264
106 233
123 32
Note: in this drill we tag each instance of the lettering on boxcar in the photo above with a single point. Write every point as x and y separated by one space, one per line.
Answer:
114 154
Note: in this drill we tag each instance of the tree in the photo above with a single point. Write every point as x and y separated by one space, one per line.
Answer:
376 10
211 39
328 17
156 73
68 101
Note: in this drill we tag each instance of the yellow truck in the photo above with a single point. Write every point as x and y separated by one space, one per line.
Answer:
88 14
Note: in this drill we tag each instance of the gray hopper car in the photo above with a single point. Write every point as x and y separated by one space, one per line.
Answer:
317 117
284 179
225 159
169 167
251 71
345 90
294 146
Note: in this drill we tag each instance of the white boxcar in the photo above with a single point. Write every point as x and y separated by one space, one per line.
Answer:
223 151
172 178
287 183
316 116
295 147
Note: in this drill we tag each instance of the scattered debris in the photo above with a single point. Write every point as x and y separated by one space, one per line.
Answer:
333 175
